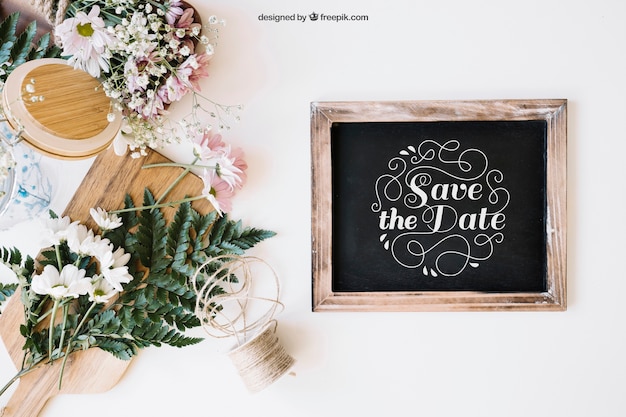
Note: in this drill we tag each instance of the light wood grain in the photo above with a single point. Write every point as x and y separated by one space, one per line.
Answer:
91 371
71 121
74 105
324 114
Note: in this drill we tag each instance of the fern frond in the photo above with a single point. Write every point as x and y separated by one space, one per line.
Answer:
6 290
15 49
11 256
228 237
121 348
7 36
23 45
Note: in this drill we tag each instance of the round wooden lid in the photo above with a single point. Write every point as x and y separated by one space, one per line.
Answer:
62 111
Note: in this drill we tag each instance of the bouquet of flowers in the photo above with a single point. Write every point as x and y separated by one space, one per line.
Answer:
127 287
147 54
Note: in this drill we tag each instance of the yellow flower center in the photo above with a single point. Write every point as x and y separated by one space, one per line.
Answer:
84 30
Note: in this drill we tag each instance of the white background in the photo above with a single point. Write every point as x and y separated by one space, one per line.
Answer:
429 364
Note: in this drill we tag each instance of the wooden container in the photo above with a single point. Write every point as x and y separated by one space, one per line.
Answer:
58 110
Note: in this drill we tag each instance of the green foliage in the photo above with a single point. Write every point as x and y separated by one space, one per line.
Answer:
6 290
12 259
159 304
154 309
228 237
15 49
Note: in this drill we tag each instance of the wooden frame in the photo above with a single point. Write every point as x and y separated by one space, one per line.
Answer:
325 114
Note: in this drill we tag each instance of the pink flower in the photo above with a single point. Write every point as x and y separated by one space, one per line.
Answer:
214 141
217 191
153 107
200 71
176 88
193 69
186 19
206 145
239 163
84 38
174 12
139 70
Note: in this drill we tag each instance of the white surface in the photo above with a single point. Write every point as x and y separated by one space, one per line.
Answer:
428 364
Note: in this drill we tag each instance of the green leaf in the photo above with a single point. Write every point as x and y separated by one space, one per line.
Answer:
7 36
228 237
10 257
179 238
151 236
6 290
23 44
156 334
41 48
251 236
16 49
121 348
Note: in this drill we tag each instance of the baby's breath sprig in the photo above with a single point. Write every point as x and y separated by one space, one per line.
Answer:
149 55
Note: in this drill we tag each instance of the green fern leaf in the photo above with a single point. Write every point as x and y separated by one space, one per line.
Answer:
178 236
179 340
23 45
10 256
250 237
7 36
228 237
217 231
121 348
53 52
151 236
6 290
40 49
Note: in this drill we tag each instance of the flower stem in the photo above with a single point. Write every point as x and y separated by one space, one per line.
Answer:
69 343
177 180
58 253
176 164
154 206
16 377
66 308
55 307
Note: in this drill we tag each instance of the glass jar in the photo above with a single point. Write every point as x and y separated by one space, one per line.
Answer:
24 191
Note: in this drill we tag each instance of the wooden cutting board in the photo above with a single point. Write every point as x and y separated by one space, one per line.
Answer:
110 178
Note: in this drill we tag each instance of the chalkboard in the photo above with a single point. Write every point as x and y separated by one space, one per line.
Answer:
439 205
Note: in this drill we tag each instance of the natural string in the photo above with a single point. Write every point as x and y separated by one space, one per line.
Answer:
261 359
53 11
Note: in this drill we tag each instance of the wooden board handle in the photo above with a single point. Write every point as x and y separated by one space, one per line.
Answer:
30 397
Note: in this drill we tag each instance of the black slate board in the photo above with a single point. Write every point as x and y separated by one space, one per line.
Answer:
370 254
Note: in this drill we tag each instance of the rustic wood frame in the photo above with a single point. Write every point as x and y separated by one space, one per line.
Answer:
324 114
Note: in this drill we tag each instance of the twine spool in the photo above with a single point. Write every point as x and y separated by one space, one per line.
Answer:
260 359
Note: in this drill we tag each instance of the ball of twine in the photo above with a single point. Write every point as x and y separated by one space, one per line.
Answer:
224 304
